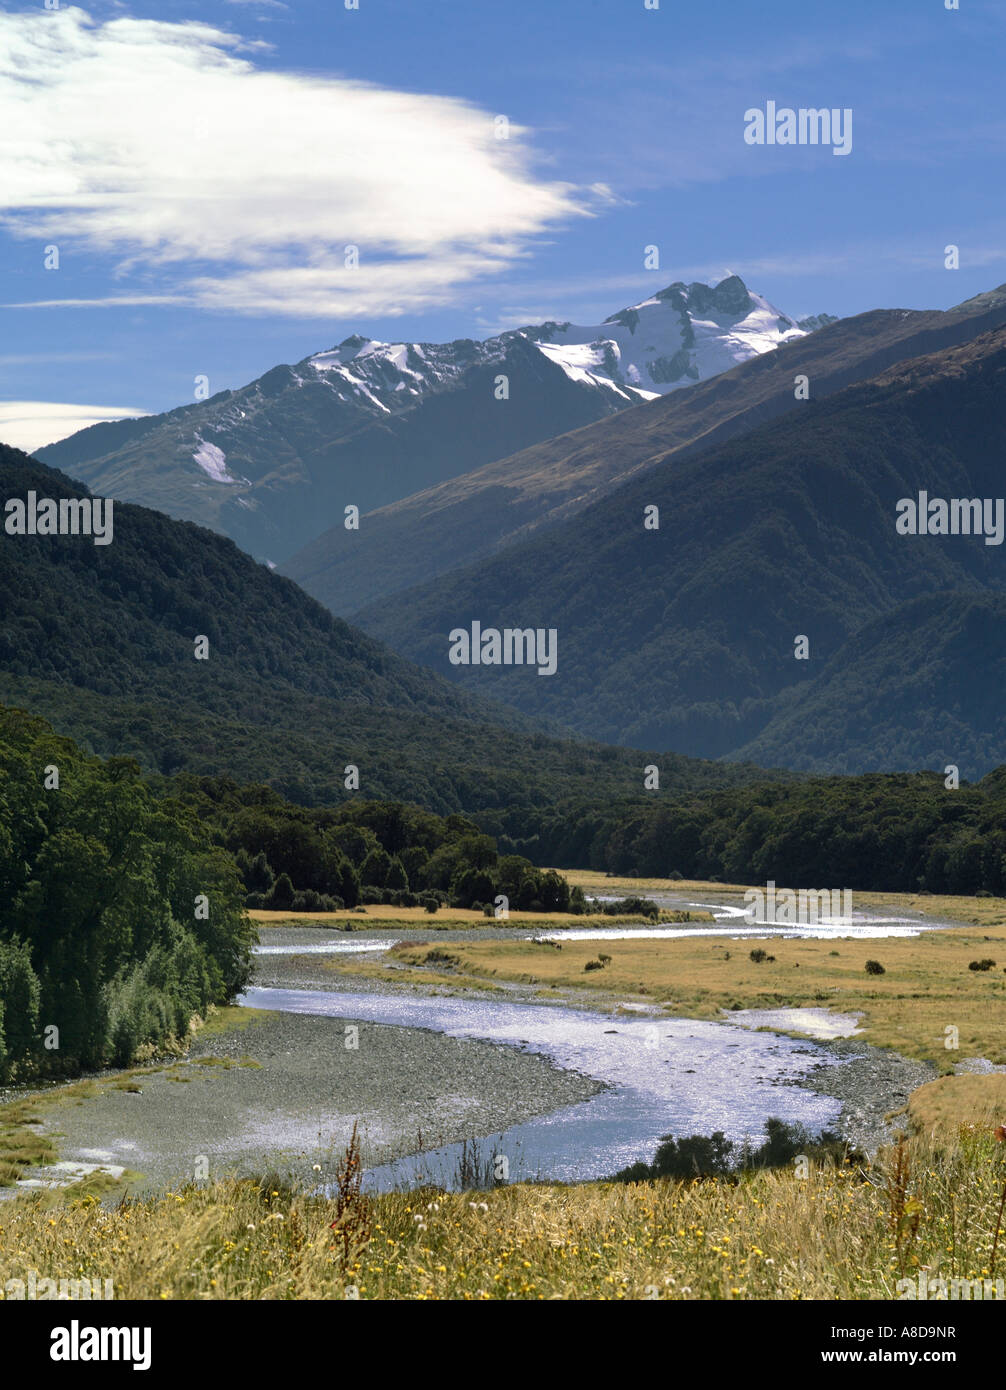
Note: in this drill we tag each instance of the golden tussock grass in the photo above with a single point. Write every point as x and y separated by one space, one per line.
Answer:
837 1233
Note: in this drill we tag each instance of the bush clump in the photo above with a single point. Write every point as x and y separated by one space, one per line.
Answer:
716 1156
631 907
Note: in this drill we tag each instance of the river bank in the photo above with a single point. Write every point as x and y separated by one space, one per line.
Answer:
285 1093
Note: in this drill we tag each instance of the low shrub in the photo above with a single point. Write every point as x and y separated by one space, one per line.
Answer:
716 1156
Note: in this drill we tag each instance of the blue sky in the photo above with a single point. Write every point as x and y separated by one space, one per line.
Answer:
202 167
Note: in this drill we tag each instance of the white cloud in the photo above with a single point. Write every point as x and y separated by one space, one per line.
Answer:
28 425
216 183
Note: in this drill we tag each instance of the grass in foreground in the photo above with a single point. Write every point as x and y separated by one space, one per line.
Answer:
839 1233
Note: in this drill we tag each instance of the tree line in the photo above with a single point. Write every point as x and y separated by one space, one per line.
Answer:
890 832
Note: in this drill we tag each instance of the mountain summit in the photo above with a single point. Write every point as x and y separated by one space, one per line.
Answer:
683 334
365 423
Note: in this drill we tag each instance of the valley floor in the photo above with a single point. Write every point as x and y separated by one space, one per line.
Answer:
261 1091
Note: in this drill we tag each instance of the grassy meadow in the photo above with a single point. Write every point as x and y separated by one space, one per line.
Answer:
836 1233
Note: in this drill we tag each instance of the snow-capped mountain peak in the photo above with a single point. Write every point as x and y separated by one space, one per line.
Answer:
678 336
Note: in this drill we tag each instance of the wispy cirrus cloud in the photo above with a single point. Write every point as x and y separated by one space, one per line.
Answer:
28 425
212 182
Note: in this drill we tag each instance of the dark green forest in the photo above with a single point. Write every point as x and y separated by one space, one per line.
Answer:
898 832
119 921
887 832
296 858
